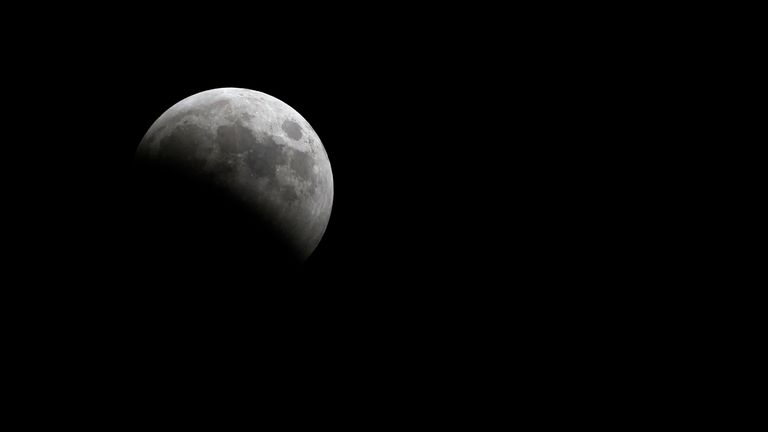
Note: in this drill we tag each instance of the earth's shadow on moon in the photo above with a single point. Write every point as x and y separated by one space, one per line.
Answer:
189 234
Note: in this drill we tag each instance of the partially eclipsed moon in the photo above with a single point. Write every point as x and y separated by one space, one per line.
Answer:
258 149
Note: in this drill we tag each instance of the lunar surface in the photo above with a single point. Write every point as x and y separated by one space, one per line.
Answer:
255 149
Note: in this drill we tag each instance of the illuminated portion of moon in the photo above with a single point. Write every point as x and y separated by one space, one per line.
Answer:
258 149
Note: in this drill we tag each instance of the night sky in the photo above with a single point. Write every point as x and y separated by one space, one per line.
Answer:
481 201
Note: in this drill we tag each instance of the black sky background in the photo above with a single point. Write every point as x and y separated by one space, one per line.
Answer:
402 120
480 198
451 144
404 112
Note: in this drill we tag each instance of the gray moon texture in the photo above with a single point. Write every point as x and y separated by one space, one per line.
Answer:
258 149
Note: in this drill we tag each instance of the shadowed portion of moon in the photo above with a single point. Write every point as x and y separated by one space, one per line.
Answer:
197 228
232 175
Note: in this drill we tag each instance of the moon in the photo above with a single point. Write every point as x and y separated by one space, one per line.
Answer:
256 150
